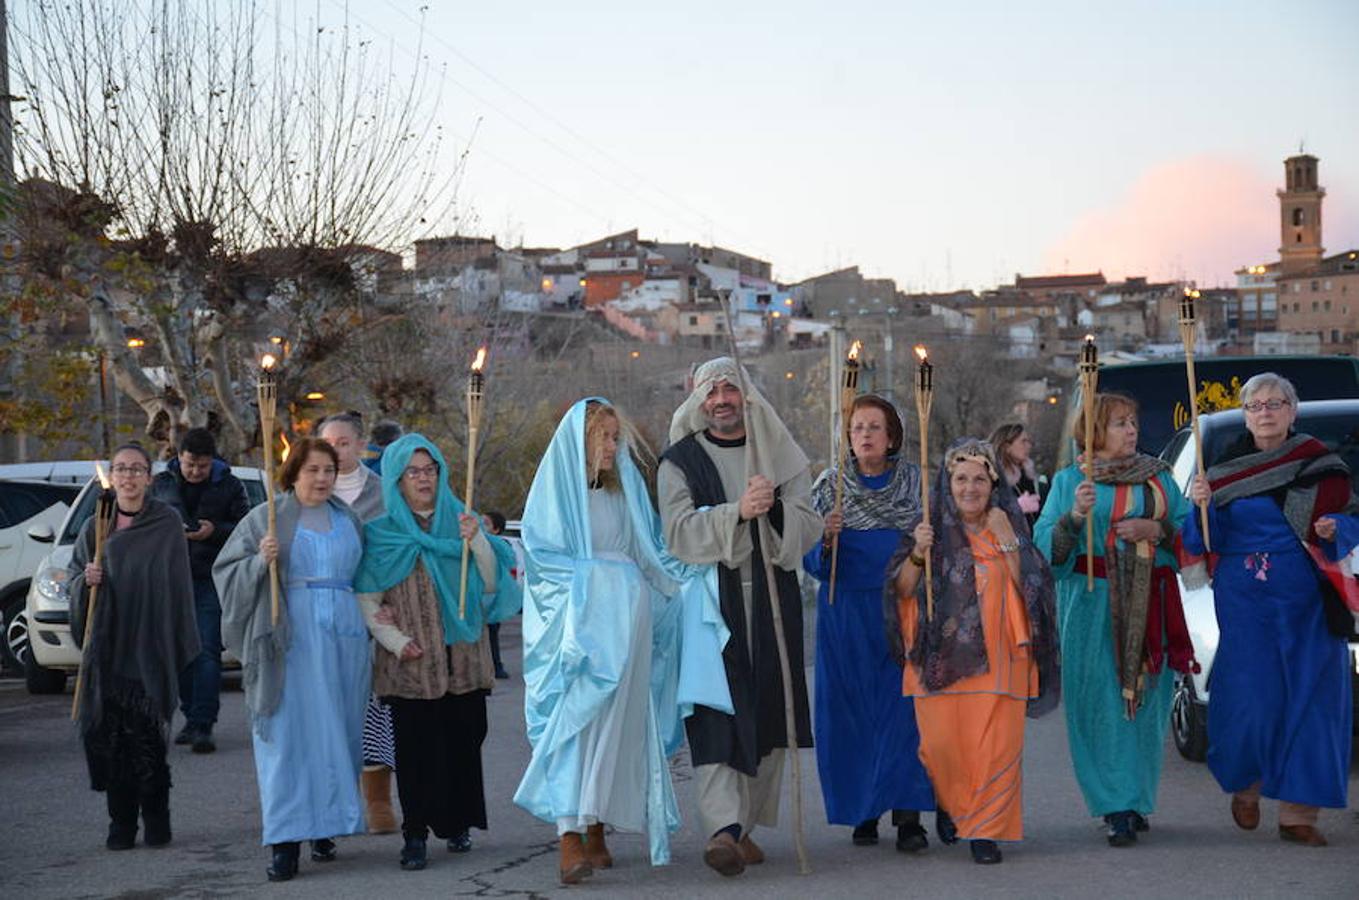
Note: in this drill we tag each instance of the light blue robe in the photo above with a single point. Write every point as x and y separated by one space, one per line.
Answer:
1117 760
582 612
308 768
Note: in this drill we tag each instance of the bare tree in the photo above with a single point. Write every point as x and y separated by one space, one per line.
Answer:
247 165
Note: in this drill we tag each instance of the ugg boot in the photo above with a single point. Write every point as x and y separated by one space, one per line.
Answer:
377 797
595 848
122 801
575 865
156 815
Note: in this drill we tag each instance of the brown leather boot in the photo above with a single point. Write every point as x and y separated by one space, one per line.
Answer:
751 854
575 865
377 798
595 848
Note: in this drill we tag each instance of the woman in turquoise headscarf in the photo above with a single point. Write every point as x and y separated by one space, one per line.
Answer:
600 645
432 665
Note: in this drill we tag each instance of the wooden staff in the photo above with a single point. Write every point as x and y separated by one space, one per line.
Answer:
848 391
765 533
1089 385
476 384
267 394
924 402
1188 335
104 511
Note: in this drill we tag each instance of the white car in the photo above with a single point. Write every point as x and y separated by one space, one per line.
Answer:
30 514
52 654
1334 422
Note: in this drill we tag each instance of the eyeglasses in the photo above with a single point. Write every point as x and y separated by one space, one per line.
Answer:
414 473
1272 405
867 429
130 470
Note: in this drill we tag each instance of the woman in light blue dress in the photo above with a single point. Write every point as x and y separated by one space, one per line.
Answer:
307 677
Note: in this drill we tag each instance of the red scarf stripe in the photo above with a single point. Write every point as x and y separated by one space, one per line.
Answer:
1309 450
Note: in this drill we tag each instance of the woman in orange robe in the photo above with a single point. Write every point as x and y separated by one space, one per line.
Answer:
984 655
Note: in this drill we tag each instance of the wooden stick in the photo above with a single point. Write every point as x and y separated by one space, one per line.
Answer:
771 590
923 413
268 402
469 486
1088 387
1188 328
848 390
103 523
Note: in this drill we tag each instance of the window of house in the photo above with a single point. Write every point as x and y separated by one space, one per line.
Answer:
1315 306
1298 216
1295 307
693 320
1326 305
1335 335
1326 285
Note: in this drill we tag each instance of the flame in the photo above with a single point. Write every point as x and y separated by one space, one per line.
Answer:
287 447
103 478
922 353
1089 338
854 349
480 360
268 361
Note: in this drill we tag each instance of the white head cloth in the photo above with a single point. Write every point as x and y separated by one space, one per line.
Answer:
777 455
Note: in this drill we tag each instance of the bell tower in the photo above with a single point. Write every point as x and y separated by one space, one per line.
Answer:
1300 215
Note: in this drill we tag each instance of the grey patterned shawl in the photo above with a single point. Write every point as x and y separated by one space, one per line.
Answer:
894 506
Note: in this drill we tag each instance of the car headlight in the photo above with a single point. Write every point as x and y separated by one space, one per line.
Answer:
51 583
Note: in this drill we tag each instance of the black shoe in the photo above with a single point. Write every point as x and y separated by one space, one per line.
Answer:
985 853
323 850
284 864
460 842
865 833
1120 831
943 825
186 734
122 805
501 673
1140 822
413 857
203 742
911 838
156 817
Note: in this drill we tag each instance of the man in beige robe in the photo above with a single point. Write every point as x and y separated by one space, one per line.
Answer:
713 488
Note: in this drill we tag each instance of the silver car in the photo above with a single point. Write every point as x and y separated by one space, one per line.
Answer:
52 654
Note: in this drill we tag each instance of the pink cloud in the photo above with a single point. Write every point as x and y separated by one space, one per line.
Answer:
1199 218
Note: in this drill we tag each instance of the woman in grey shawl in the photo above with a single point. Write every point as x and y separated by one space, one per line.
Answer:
143 633
306 677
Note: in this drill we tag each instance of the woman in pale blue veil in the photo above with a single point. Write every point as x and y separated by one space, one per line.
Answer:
601 644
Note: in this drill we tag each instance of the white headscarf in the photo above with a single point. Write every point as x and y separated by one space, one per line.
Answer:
777 455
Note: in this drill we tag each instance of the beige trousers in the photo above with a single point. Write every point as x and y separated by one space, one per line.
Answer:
727 797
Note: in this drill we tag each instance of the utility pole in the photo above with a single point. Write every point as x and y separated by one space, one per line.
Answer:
6 113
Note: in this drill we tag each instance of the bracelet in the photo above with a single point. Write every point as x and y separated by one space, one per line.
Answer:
1011 547
917 560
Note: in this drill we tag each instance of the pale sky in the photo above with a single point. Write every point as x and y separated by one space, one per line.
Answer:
943 145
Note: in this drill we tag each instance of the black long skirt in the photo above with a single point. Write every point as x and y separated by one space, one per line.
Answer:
127 748
438 762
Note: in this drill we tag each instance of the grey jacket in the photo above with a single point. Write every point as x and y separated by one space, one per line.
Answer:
242 580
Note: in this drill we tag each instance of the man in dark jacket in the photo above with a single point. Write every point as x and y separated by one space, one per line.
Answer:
211 501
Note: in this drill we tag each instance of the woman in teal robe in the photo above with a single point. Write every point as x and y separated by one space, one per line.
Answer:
1117 637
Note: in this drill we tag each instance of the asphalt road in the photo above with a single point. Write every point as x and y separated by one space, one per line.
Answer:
51 834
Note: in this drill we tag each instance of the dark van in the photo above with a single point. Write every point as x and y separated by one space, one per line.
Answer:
1162 391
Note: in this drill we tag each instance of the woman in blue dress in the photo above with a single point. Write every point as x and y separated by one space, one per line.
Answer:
307 676
1281 512
867 744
